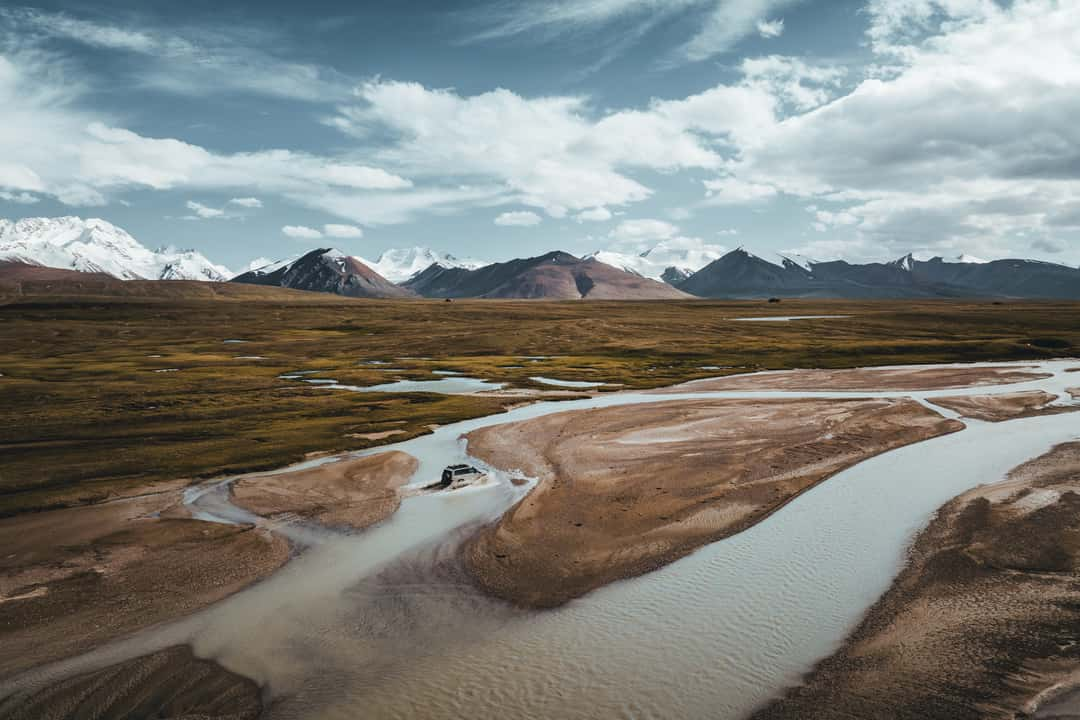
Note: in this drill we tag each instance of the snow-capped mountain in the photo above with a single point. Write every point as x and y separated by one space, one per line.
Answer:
94 245
400 264
325 270
657 260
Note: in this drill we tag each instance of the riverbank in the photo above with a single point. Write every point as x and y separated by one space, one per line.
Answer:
625 490
75 578
981 622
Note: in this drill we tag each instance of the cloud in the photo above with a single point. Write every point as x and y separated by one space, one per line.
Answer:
203 212
247 202
552 153
1049 245
22 198
770 29
598 214
518 219
800 84
301 232
733 191
728 23
49 146
720 24
899 158
644 231
342 231
184 60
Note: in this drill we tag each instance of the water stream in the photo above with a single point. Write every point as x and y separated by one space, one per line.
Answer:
383 624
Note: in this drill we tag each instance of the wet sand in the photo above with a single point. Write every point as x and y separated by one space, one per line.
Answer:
168 685
1008 406
625 490
354 493
870 379
983 621
76 578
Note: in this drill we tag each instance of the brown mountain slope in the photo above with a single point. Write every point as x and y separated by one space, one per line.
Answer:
554 276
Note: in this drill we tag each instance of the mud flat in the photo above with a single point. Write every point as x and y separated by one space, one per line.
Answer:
873 379
983 622
1007 406
354 493
73 579
625 490
170 684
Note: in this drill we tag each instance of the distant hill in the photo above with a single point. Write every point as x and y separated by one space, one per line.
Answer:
742 275
326 270
97 246
553 276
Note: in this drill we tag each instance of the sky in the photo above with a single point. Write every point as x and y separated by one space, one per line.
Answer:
492 129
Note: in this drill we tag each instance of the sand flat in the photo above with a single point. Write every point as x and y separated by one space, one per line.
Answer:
609 504
1006 406
355 493
870 379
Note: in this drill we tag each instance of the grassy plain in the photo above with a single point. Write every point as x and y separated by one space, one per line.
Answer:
102 396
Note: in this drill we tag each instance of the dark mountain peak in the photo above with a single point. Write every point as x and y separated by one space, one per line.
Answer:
674 276
558 256
905 263
327 270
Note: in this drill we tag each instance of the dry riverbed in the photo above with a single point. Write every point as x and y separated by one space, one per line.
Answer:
625 490
983 622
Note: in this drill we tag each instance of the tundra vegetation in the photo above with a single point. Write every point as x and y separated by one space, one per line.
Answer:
103 395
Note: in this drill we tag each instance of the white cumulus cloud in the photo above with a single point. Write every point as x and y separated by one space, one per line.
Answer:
522 218
301 232
342 231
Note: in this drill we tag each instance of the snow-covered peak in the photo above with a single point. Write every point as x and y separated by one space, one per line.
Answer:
797 260
95 245
685 255
400 264
906 263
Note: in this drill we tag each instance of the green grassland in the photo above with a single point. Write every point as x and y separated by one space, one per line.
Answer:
84 417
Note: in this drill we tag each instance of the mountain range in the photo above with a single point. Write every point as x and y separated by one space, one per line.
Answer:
97 247
743 275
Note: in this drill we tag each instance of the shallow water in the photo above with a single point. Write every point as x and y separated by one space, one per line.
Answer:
453 385
789 318
566 383
383 623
